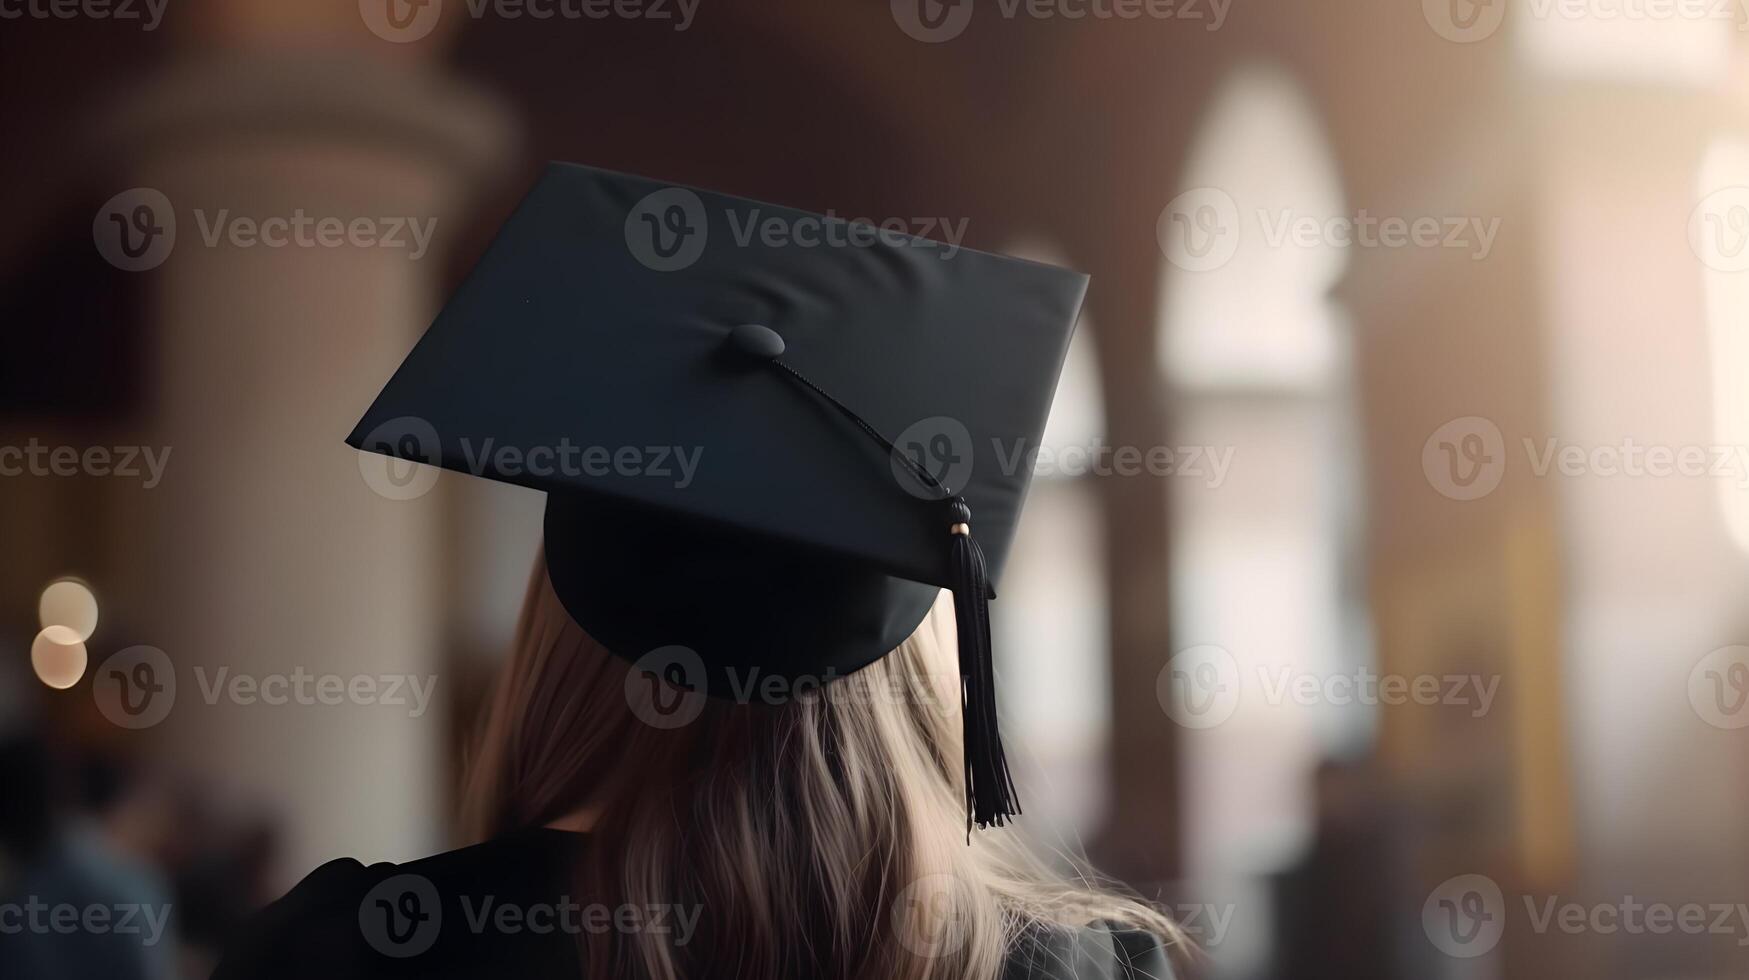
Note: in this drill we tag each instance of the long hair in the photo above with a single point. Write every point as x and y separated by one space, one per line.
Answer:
820 837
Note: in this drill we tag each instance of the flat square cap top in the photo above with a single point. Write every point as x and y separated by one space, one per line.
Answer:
596 350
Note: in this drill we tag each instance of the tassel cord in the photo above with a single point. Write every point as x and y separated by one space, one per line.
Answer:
990 794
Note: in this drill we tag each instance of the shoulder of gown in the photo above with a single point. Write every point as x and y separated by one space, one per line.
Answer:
346 920
1100 951
311 932
328 928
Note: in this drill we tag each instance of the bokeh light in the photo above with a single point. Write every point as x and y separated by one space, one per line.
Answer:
69 602
58 656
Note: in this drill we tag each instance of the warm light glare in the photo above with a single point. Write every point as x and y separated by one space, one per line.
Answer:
58 655
1645 42
70 603
1726 165
1263 315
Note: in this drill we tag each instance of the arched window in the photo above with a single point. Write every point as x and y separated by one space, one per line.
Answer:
1255 355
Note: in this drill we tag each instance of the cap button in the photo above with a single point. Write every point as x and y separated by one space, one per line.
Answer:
756 341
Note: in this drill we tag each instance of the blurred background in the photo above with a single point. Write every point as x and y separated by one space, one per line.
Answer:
1378 605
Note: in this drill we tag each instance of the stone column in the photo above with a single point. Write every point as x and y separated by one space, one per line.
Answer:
266 553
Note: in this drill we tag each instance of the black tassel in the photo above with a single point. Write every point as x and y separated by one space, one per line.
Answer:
990 796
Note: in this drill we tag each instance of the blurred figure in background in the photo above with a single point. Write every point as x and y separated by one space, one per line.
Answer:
72 902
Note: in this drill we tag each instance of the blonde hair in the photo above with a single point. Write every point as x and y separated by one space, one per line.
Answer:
824 836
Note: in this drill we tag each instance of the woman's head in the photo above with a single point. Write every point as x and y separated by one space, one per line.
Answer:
817 828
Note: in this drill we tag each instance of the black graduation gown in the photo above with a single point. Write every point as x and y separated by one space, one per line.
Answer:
499 910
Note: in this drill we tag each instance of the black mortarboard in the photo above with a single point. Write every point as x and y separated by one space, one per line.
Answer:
764 433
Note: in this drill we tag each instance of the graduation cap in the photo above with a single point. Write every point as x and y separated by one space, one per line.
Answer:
767 436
